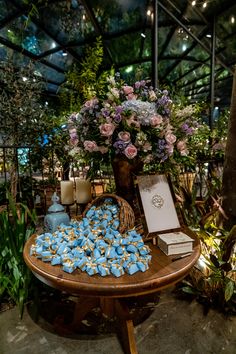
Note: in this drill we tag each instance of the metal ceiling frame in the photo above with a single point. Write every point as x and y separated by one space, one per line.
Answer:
172 22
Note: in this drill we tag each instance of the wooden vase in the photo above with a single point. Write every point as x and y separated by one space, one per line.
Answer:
124 172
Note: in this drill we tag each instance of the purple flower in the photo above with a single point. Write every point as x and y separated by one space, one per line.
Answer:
119 109
73 117
117 118
184 127
187 130
105 112
161 144
120 145
190 131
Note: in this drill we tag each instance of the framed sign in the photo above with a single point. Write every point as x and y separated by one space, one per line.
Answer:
157 204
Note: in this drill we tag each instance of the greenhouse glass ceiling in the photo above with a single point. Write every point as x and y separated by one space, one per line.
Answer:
183 36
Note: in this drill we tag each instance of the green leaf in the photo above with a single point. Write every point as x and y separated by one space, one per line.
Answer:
189 290
229 289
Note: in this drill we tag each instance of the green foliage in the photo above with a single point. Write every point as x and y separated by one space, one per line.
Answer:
4 186
84 80
212 281
17 223
219 135
23 112
216 285
25 118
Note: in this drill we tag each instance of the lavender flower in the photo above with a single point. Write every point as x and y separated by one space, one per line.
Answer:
120 146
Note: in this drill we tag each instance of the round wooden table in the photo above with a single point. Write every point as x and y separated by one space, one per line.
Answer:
108 292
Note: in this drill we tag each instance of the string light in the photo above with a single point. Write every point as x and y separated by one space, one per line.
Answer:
232 19
129 69
149 12
199 3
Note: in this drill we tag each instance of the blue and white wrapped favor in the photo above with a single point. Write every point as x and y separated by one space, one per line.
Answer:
56 260
103 269
120 250
144 250
91 268
96 253
142 265
78 252
117 270
110 252
68 267
132 268
82 263
131 249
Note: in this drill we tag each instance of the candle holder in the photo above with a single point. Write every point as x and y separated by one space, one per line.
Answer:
81 207
67 208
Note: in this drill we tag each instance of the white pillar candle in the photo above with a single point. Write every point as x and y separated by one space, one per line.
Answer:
83 191
67 192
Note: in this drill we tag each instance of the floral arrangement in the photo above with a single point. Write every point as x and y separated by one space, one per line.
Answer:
191 119
129 121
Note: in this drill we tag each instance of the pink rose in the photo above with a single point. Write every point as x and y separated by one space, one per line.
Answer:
91 103
131 96
156 120
130 151
170 149
107 129
90 146
181 145
170 138
124 136
128 90
182 148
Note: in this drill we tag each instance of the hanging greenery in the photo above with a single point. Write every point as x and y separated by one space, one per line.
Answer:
84 80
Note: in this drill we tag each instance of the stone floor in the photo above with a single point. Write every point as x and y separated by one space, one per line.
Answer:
172 326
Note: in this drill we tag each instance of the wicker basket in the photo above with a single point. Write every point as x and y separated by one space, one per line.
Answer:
126 214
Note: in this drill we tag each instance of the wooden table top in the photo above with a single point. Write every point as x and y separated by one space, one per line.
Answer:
162 272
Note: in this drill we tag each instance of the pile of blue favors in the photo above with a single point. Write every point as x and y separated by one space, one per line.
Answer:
94 245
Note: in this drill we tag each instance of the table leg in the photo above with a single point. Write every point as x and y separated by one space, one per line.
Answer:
110 308
126 328
82 307
107 305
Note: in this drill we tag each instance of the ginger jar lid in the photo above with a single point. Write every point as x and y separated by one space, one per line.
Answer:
56 206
